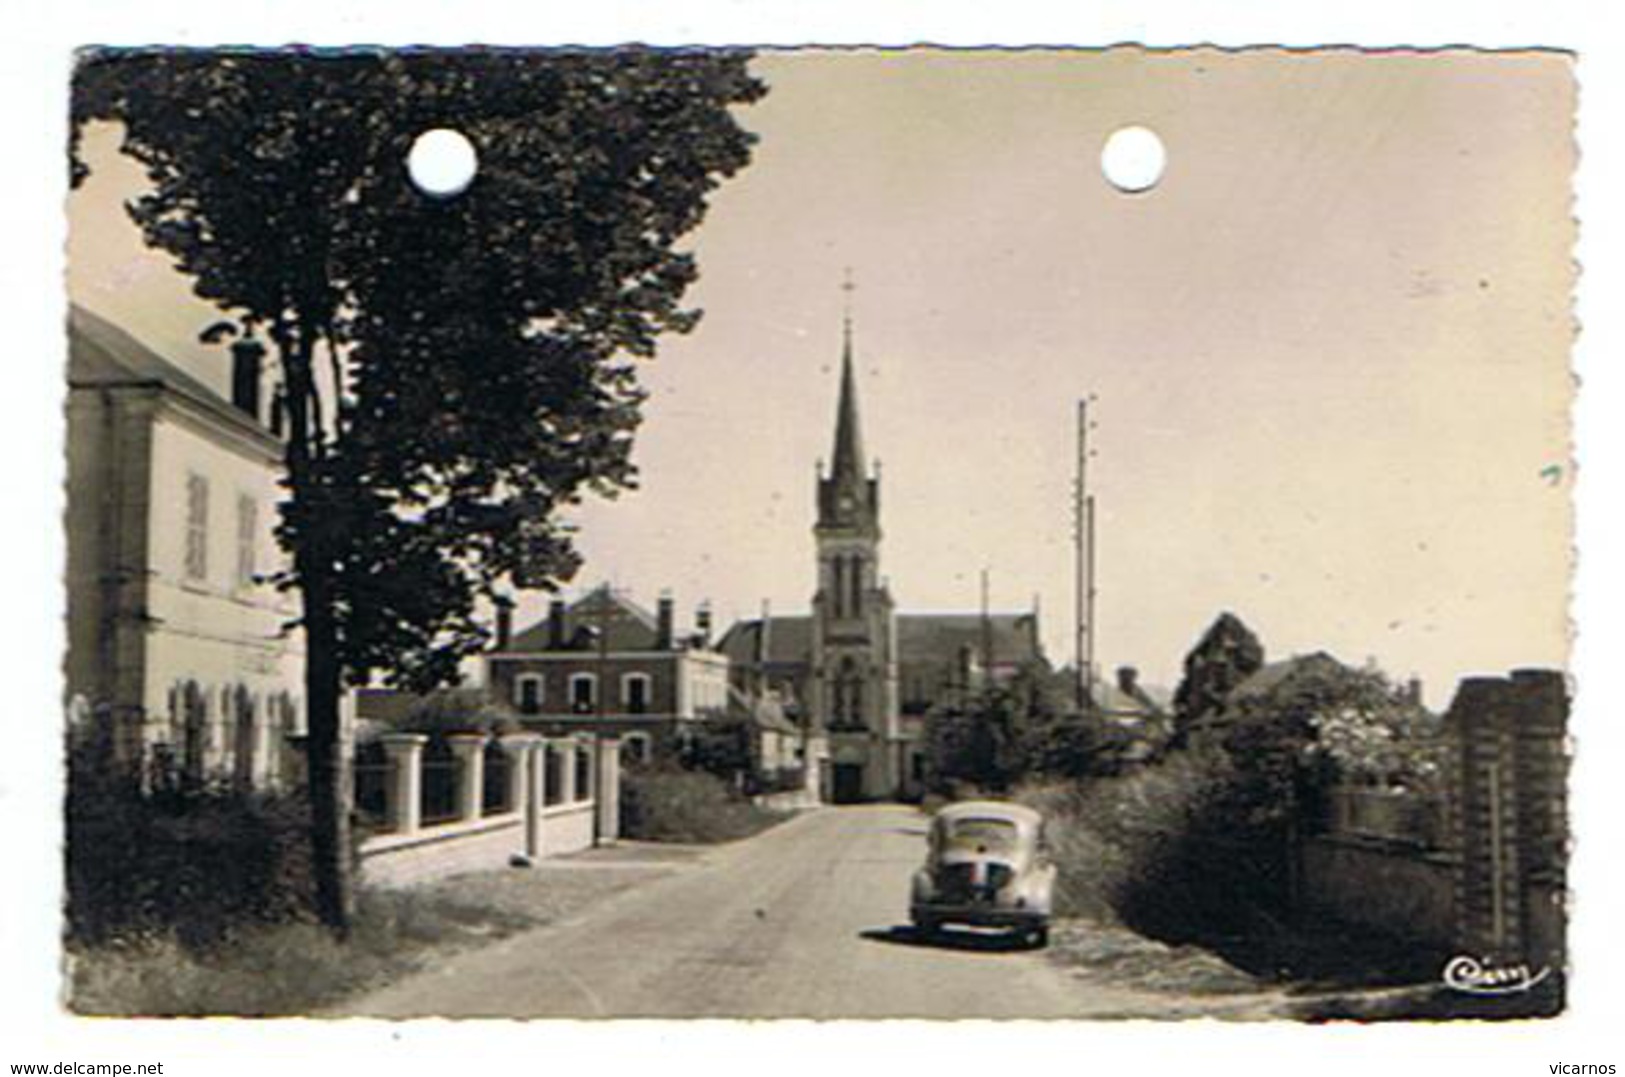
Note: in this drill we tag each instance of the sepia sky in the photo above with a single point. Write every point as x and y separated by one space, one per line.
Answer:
1329 349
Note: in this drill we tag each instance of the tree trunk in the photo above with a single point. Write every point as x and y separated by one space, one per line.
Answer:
327 743
329 765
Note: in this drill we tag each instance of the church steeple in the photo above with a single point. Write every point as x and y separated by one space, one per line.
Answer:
848 498
848 463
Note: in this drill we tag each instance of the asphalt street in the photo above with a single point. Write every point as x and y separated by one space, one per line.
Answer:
804 920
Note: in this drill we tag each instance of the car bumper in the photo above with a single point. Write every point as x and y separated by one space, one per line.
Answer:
977 915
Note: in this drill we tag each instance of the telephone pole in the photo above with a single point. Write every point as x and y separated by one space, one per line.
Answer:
1083 538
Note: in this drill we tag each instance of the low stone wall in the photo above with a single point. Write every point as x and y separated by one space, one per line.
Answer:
436 852
409 852
792 800
1386 887
567 828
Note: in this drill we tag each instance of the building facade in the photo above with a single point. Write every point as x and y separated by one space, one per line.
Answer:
177 648
604 664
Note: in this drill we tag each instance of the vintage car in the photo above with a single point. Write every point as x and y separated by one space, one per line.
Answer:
988 866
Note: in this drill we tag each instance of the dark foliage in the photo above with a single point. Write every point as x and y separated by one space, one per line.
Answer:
676 805
996 736
721 748
196 863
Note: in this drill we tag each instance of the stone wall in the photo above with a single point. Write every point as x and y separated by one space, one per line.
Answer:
1395 890
408 852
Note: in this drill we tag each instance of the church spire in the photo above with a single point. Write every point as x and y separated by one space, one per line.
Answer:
847 462
848 458
848 498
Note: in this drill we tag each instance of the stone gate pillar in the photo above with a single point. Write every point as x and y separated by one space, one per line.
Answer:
1511 768
402 797
516 747
469 750
536 797
566 749
608 791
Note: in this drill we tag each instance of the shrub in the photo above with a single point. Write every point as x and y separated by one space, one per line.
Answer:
458 710
193 860
669 804
1169 850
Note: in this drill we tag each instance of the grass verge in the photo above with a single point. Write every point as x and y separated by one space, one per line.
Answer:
299 968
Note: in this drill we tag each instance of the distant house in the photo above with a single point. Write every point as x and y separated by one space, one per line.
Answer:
1274 679
779 747
1136 720
604 664
176 646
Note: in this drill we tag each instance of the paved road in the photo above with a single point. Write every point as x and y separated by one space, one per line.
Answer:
802 921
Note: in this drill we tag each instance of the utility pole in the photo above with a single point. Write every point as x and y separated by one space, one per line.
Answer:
987 634
1083 538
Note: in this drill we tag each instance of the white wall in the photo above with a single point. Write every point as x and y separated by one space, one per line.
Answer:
214 631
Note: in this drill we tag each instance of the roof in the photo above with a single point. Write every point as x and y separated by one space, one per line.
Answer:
102 354
627 625
921 638
1270 677
1146 699
766 712
789 641
940 637
989 808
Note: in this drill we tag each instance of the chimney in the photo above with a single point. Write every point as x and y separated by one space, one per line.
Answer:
555 625
764 637
245 376
702 623
663 623
1128 680
504 623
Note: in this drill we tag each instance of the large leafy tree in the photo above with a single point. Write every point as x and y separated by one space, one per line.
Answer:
998 733
454 370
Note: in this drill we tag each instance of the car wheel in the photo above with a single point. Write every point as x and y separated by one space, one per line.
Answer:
1038 937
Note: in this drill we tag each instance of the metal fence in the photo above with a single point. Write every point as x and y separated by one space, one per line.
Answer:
372 772
442 782
495 798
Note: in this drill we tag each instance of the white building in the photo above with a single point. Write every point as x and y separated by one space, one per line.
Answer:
175 645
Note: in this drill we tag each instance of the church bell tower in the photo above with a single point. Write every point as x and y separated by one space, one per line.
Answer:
854 632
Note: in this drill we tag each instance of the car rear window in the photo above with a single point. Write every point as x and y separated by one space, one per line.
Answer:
993 835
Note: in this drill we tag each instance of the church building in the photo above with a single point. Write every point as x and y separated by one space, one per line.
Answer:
857 671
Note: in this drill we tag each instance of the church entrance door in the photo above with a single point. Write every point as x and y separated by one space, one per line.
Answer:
848 783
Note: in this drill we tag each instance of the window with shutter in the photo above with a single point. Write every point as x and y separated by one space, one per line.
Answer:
197 527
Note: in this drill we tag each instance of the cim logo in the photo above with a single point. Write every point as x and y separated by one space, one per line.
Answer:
1478 976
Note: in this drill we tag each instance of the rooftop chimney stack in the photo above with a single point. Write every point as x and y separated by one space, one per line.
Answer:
555 625
702 623
246 356
664 622
764 638
504 624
